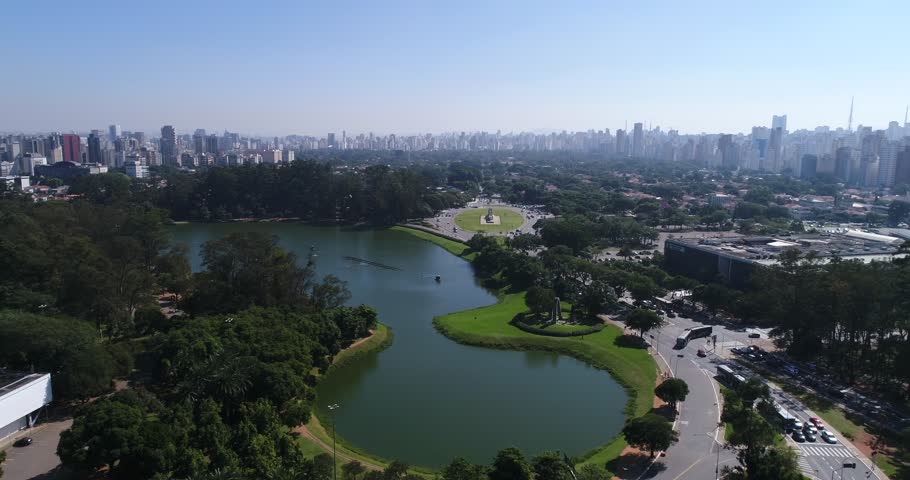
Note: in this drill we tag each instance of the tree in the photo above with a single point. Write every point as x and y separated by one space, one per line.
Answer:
461 469
352 470
540 299
510 464
651 432
643 320
753 389
551 466
672 390
69 349
593 471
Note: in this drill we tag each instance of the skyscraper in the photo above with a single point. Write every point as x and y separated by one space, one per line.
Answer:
808 166
211 144
94 147
330 141
168 146
638 140
902 170
199 143
621 143
779 121
70 142
114 132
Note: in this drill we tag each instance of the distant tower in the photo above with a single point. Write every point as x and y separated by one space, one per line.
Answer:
850 119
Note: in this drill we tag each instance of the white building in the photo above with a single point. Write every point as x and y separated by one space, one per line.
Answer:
22 397
136 170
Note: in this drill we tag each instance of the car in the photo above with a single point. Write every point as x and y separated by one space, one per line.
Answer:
810 437
809 428
754 335
798 436
797 425
817 422
23 442
829 437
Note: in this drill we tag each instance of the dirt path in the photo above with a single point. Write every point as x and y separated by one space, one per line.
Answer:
361 341
304 431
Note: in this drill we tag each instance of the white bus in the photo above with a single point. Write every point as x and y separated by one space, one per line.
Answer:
691 334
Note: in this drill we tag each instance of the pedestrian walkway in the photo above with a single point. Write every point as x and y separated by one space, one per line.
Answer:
822 451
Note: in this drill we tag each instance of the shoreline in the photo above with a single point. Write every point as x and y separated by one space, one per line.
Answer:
634 369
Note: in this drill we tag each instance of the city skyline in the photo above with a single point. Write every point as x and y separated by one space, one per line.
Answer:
411 68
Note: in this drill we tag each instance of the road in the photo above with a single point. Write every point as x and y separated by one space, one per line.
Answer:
444 222
699 452
689 458
38 460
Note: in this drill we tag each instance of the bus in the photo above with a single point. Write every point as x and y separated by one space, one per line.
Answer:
786 419
727 376
691 334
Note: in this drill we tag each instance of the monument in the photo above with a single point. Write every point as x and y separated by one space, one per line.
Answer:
489 218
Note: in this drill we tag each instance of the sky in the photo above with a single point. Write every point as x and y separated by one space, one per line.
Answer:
300 67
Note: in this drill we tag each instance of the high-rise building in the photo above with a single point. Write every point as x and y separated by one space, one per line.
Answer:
211 144
774 151
808 166
114 132
621 143
199 143
168 145
330 140
94 147
779 121
902 167
638 140
71 147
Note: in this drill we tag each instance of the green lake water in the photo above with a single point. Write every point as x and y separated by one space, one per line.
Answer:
427 399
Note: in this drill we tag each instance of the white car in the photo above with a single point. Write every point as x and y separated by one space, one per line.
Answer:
828 437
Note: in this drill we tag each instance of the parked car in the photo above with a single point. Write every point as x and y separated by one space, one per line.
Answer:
798 436
23 442
754 335
829 437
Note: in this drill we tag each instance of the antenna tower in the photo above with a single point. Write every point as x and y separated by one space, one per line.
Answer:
850 120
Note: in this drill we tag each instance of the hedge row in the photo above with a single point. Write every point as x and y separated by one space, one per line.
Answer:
549 333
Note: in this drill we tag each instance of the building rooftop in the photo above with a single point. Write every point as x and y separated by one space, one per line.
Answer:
848 244
12 381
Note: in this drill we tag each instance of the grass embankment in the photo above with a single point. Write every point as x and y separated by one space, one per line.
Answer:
631 367
471 220
381 339
455 248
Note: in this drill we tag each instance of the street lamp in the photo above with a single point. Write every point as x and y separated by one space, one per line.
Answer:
332 408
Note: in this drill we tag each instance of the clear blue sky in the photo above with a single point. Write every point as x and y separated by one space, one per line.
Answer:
273 67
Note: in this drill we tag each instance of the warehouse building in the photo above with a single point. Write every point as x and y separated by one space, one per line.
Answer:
23 396
732 260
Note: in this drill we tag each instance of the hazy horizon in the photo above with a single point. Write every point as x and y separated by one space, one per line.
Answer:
407 68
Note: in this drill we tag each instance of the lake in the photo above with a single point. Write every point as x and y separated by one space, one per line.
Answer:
427 399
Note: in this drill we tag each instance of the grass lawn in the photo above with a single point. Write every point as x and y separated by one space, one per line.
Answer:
632 367
470 220
379 341
453 247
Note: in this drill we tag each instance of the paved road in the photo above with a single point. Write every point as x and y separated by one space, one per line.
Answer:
444 222
39 460
700 413
699 453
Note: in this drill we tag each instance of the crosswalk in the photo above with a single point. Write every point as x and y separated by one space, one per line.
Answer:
823 451
805 467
